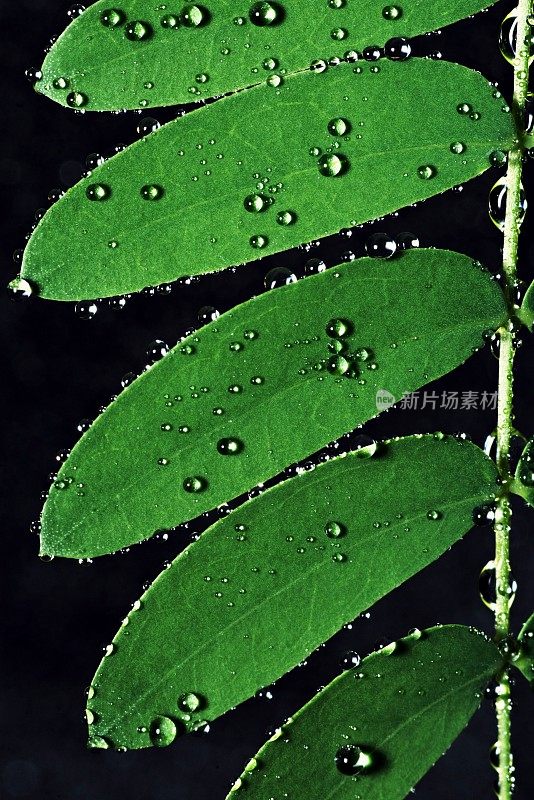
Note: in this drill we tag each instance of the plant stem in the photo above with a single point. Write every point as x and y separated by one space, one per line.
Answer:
505 403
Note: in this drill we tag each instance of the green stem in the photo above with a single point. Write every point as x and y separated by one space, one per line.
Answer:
505 404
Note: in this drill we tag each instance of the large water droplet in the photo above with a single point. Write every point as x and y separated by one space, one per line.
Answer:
339 328
190 702
98 192
256 203
339 126
138 31
351 759
193 16
279 276
392 12
20 289
332 165
398 49
112 17
335 530
489 588
498 201
77 99
266 14
162 731
508 38
381 245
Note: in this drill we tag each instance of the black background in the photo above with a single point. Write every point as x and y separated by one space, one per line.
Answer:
58 369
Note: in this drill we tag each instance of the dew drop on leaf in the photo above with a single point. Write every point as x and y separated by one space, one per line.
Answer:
392 12
256 203
279 276
427 171
339 126
112 17
351 759
398 49
381 245
162 731
98 192
266 14
332 165
77 99
152 192
190 702
230 446
138 31
195 484
20 289
335 530
286 218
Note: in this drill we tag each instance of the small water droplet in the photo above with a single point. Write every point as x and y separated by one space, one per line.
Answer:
230 446
190 702
333 165
427 171
152 192
195 484
77 99
98 192
112 17
339 328
339 126
392 12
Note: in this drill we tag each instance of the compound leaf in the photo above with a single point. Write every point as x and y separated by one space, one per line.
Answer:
144 55
525 659
385 723
245 177
262 387
270 582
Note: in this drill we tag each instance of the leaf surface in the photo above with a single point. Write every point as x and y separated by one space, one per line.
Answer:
209 172
526 312
523 484
260 375
273 580
185 63
404 711
525 660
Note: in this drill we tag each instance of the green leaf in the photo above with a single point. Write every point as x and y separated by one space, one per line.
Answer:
262 375
181 63
523 485
273 580
525 658
526 312
402 710
198 222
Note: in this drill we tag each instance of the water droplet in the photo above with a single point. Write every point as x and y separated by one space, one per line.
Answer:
333 165
339 558
489 588
335 530
195 484
86 309
162 731
498 201
434 515
193 16
98 192
339 126
484 515
372 53
266 14
339 34
380 245
208 314
279 276
156 350
60 83
20 289
259 241
190 702
407 241
351 759
457 148
508 38
230 446
350 660
256 203
77 99
112 17
339 328
398 49
138 31
392 12
427 171
286 218
98 743
152 192
169 21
